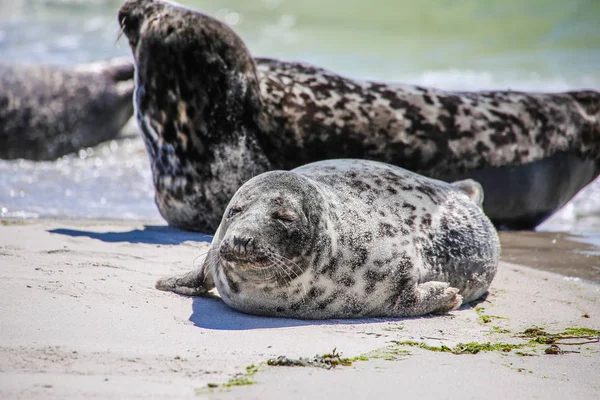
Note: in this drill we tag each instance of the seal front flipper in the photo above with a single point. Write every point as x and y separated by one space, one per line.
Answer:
194 283
431 298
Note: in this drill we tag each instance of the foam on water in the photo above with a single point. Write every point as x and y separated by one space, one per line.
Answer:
110 181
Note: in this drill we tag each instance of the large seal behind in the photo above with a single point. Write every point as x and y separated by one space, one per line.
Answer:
347 239
213 117
49 111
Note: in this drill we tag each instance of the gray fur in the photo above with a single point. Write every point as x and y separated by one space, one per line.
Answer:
347 239
47 112
213 117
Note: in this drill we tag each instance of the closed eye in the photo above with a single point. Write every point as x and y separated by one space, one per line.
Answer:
285 215
234 210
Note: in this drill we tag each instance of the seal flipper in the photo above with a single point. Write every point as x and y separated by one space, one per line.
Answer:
194 283
433 298
472 188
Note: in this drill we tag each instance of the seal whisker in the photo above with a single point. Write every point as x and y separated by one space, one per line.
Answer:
200 255
121 32
213 258
267 278
281 267
283 261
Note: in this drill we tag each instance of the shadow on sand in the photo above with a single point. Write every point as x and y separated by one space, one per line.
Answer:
151 234
211 312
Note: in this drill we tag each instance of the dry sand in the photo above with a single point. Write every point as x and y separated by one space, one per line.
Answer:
80 318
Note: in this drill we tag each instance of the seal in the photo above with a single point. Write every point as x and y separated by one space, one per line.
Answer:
348 239
213 117
49 111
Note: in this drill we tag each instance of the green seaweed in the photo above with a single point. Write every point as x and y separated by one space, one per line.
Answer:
10 222
581 332
244 379
326 361
424 346
474 347
497 329
524 354
538 335
389 353
465 348
485 318
393 328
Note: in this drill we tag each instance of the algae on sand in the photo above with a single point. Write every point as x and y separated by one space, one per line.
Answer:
464 348
326 361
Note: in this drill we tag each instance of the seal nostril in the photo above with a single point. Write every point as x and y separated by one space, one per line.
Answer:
246 244
240 245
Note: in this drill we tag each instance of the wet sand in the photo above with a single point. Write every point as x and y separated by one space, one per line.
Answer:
571 255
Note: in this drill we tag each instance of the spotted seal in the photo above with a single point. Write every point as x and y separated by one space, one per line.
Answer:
212 117
49 111
347 239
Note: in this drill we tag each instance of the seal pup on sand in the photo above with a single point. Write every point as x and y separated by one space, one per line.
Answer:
348 239
213 117
49 111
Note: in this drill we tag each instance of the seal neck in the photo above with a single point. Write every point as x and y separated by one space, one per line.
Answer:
196 84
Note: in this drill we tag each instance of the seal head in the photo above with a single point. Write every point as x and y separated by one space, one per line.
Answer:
266 236
196 102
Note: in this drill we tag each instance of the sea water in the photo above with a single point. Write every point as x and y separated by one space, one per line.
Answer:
540 45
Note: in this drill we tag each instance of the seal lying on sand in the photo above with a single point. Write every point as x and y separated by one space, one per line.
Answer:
213 117
47 112
347 239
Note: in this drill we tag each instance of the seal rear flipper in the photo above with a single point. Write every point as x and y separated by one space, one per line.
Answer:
432 298
472 188
194 283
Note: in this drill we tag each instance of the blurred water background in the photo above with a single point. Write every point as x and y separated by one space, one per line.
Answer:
542 45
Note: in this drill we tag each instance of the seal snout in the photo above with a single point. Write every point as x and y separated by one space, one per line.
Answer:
131 16
238 249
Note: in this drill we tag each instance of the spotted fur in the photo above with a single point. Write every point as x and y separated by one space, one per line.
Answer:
213 117
347 239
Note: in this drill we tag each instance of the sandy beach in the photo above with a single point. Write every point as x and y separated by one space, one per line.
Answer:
81 318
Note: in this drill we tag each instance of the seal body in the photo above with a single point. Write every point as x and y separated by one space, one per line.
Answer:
346 239
213 117
47 111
